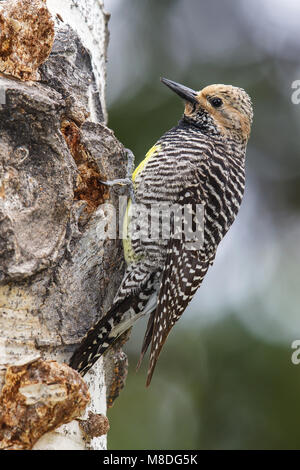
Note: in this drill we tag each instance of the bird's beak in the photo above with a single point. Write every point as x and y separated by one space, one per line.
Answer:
183 91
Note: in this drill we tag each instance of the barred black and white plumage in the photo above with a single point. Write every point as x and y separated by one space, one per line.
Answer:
198 162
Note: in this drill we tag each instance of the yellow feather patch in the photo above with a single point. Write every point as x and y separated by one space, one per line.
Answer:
141 166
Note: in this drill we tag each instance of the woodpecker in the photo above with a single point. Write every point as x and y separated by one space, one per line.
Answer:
201 161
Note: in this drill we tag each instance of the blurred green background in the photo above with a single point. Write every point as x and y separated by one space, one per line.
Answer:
225 379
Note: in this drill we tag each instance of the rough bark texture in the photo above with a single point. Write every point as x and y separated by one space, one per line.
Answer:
58 274
36 398
26 37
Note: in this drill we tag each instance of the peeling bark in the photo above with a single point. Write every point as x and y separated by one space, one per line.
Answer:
58 273
35 399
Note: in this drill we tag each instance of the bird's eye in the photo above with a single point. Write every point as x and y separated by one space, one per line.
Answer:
216 102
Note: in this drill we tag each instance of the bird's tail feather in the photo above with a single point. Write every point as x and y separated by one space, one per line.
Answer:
146 341
103 334
120 318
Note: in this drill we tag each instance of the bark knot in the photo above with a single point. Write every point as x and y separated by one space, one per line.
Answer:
95 425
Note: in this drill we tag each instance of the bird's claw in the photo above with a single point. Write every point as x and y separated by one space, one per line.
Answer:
120 182
124 181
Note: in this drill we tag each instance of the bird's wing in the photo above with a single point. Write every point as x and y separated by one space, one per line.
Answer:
185 267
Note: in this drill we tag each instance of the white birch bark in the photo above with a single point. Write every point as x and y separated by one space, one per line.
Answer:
56 275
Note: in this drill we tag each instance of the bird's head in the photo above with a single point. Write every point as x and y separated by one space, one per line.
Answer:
217 109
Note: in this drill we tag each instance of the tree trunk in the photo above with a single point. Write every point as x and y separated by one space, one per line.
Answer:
59 271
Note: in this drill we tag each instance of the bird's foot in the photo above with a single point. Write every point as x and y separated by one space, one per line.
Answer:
125 181
121 182
117 182
130 163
